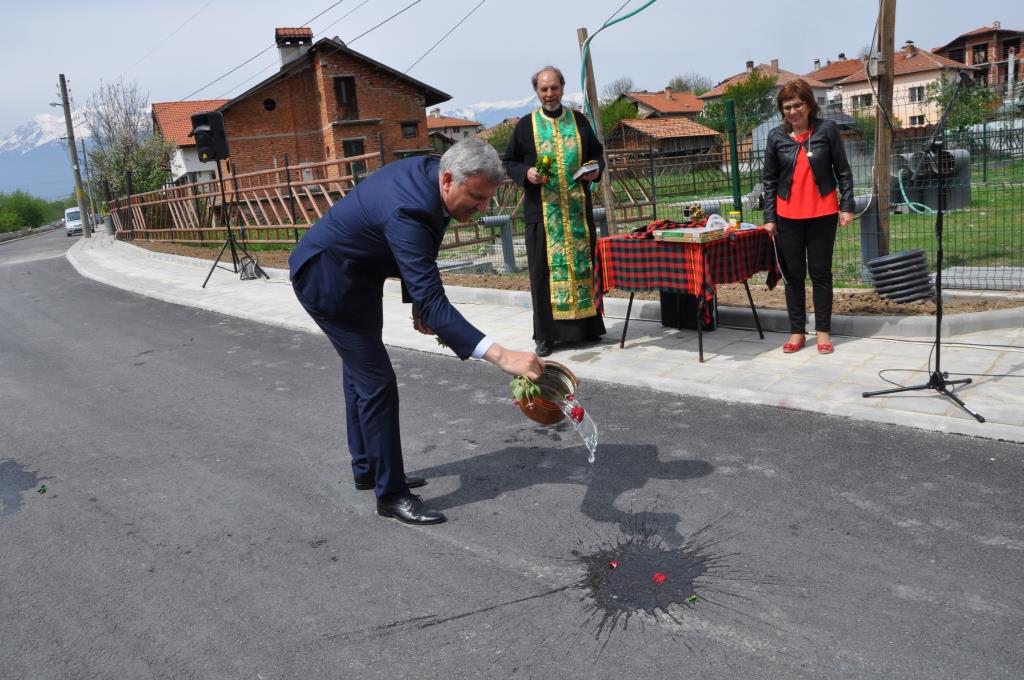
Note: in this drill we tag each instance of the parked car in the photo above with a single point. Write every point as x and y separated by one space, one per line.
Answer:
72 221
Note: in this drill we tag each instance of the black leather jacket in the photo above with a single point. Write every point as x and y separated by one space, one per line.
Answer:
828 164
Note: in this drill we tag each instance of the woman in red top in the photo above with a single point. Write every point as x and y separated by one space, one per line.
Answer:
804 165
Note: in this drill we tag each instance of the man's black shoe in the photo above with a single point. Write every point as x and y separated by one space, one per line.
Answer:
366 483
409 510
543 348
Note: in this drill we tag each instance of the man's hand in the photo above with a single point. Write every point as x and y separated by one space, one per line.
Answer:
417 322
845 218
515 363
590 176
534 177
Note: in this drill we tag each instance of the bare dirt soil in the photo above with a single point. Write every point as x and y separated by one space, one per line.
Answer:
846 302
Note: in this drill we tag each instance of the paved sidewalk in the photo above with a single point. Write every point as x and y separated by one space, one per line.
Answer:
738 367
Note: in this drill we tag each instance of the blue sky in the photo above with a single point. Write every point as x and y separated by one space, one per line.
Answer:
489 57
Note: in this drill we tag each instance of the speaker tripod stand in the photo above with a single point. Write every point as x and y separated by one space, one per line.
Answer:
938 380
237 264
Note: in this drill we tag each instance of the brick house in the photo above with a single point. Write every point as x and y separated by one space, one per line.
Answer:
327 101
992 49
173 120
831 74
665 104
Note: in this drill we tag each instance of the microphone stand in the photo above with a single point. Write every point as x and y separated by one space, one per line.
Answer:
938 380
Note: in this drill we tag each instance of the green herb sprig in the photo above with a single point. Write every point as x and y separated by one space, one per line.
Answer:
524 389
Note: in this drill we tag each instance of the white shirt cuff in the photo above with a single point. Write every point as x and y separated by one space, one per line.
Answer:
482 347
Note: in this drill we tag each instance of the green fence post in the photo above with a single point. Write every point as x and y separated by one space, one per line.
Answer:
734 163
984 152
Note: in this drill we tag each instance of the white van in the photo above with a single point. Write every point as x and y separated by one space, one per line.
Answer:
72 221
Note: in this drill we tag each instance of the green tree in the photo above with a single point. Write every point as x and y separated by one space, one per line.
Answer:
691 82
123 139
755 103
616 89
974 102
500 135
612 112
20 209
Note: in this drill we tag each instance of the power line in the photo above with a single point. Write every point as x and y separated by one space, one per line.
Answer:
452 30
258 54
401 11
272 64
168 37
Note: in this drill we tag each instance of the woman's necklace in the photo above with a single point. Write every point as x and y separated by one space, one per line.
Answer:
807 142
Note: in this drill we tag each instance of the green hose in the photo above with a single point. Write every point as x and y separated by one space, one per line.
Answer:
919 208
586 51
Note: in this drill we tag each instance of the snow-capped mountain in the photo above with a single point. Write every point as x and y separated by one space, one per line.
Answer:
492 113
42 129
34 158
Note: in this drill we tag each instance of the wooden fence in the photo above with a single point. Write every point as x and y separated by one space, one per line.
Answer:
274 206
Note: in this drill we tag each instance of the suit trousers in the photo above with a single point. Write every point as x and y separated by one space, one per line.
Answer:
805 247
368 381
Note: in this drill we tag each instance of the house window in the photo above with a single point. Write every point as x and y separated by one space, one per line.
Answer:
916 120
860 101
916 93
957 54
465 133
354 147
980 54
345 92
1011 44
410 129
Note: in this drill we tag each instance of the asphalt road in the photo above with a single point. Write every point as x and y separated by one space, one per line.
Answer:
199 520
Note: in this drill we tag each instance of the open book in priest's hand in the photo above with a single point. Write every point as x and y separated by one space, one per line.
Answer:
586 168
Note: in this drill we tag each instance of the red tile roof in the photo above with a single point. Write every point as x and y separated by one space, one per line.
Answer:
435 122
978 31
837 70
286 33
175 118
668 128
668 101
782 78
911 60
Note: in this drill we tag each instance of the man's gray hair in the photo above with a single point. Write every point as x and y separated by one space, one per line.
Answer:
472 157
561 78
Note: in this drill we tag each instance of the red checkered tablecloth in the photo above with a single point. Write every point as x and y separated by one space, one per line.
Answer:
637 264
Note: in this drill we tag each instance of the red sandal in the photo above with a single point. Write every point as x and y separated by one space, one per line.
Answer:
825 348
791 347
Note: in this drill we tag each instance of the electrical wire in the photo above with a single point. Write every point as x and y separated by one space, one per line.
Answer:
452 30
258 54
166 38
585 53
374 28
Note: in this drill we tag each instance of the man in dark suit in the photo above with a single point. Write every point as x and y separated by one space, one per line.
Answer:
392 224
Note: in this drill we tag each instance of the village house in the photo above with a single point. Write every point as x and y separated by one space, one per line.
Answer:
173 121
327 101
664 104
994 51
676 136
831 74
782 77
445 131
913 70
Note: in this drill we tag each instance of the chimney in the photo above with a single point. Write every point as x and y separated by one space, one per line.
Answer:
911 48
842 56
817 64
292 43
668 93
750 67
775 65
435 113
997 25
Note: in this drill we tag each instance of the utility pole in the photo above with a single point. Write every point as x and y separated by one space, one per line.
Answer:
79 194
883 116
591 95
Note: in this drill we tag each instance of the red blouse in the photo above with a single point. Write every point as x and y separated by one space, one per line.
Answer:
804 200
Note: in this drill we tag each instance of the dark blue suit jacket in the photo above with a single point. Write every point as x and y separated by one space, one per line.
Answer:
391 224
